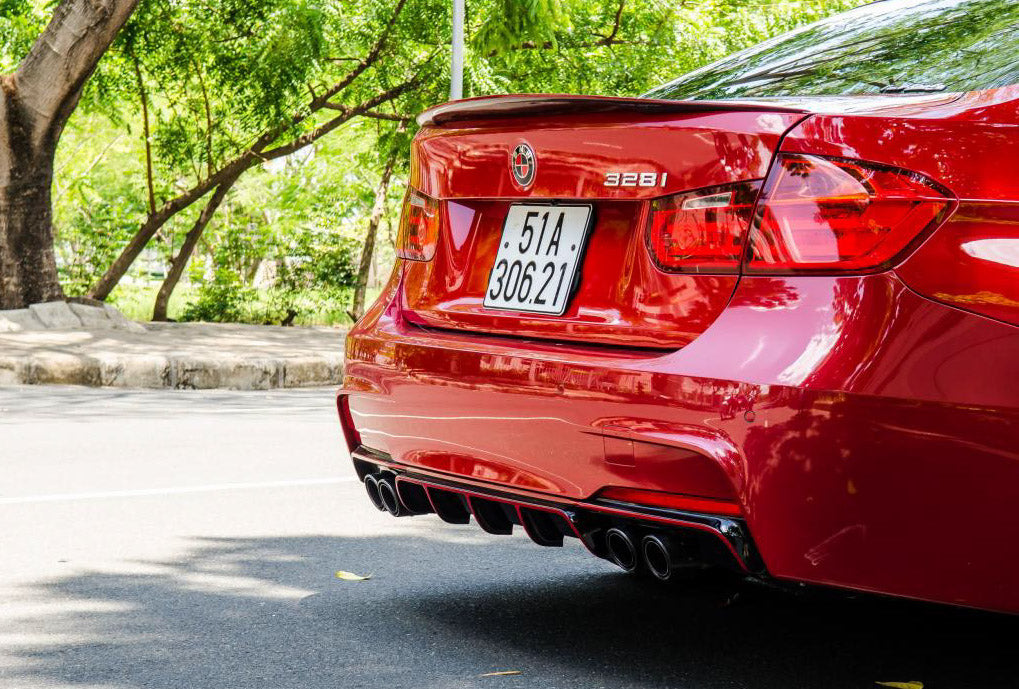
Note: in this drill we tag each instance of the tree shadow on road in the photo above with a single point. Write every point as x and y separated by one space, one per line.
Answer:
440 612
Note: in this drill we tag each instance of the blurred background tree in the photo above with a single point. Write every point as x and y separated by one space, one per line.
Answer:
233 159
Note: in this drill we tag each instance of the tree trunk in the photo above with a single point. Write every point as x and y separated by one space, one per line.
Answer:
28 268
35 102
361 281
180 261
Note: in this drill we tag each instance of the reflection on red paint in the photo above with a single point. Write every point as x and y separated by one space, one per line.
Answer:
689 503
972 262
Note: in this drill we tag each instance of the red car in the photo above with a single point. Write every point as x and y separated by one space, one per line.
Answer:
765 317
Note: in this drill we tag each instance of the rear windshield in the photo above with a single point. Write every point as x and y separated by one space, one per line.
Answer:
894 46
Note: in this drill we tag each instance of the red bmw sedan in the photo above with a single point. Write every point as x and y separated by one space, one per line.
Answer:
765 317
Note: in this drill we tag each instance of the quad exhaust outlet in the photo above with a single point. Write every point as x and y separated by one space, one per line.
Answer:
371 486
385 493
661 555
657 543
622 550
657 553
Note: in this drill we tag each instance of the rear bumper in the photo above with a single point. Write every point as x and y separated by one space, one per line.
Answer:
719 540
852 421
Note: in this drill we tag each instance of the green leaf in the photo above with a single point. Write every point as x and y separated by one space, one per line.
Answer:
350 576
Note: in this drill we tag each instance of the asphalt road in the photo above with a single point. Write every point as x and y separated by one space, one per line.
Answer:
191 539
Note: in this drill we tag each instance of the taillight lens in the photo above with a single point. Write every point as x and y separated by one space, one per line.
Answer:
702 231
419 227
822 213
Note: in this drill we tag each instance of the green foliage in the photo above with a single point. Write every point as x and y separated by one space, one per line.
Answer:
301 223
135 300
20 22
313 271
98 199
94 235
221 299
616 47
511 24
215 75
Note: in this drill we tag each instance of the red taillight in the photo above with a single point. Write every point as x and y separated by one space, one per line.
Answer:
821 213
419 227
702 231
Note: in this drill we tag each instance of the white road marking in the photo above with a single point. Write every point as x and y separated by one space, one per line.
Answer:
179 490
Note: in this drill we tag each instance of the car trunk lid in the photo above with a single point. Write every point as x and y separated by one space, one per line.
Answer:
616 155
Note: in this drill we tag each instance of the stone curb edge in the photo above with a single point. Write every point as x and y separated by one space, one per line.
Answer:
177 372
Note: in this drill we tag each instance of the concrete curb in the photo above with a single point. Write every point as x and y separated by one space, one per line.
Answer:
57 343
178 372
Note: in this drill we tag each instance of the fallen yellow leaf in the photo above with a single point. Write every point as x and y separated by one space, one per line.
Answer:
350 576
503 673
902 685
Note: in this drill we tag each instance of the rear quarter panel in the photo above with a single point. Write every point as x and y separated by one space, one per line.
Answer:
971 146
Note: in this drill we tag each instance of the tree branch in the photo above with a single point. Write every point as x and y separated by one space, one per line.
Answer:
208 117
610 39
367 62
368 252
256 153
376 115
143 96
602 42
346 114
232 169
373 114
50 78
180 261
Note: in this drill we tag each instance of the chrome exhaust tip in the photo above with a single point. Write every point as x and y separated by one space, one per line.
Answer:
371 486
390 500
659 556
621 549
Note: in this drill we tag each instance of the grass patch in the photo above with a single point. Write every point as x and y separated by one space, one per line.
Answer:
136 300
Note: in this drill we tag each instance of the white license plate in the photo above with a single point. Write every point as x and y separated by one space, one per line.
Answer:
538 258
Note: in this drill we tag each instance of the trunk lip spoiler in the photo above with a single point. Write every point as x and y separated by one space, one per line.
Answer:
530 104
491 107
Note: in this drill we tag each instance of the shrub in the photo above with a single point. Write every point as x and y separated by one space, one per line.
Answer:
222 299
